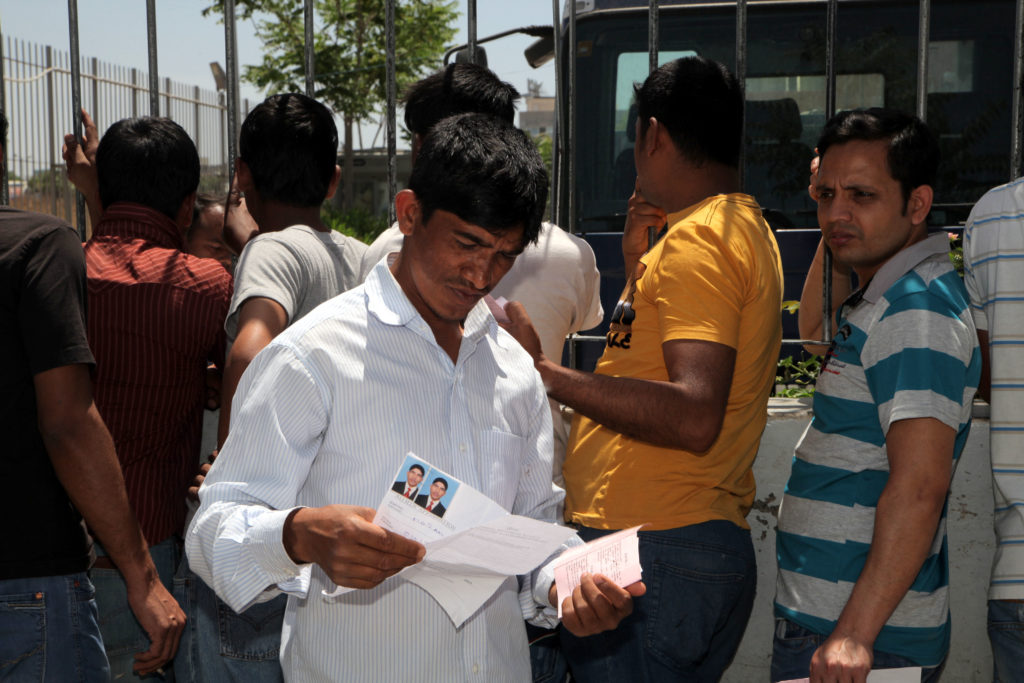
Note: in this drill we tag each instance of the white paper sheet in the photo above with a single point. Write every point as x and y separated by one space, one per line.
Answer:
471 549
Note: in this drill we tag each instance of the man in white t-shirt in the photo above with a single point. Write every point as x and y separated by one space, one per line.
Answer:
994 275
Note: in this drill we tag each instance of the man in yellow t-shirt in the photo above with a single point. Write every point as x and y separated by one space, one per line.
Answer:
668 425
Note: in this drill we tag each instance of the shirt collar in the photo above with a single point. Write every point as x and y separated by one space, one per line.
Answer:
903 262
127 219
386 300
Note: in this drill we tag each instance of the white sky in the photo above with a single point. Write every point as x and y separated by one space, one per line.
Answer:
115 31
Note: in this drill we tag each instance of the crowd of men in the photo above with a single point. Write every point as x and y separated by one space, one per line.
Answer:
330 361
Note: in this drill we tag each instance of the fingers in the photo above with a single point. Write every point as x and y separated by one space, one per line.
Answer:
597 605
348 546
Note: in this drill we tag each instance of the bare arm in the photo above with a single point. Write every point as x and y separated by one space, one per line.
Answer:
259 321
985 384
809 315
920 455
80 160
685 412
83 457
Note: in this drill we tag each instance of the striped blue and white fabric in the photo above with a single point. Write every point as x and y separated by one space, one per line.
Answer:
326 414
905 348
994 275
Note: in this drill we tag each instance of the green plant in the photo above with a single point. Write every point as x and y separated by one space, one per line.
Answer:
357 222
795 378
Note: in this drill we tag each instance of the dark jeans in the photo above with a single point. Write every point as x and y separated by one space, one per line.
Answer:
794 646
700 582
49 630
1006 633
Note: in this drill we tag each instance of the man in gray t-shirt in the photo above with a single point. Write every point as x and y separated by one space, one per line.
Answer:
285 169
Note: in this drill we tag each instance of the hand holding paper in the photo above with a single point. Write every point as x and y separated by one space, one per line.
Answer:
596 604
347 545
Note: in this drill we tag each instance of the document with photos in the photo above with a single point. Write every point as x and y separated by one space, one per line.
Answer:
617 556
473 544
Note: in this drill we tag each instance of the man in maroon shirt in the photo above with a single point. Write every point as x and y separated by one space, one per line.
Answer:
155 316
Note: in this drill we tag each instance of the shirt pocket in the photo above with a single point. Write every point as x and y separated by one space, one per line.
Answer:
501 456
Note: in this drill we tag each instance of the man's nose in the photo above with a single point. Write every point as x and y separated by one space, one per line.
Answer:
479 270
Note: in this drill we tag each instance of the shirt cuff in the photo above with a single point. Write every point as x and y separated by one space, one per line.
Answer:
547 615
265 542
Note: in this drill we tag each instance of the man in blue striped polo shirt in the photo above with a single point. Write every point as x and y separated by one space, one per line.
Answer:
863 566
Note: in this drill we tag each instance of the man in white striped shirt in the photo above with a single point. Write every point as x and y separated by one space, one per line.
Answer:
994 275
410 361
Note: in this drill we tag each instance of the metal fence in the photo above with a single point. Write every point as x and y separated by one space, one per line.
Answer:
38 96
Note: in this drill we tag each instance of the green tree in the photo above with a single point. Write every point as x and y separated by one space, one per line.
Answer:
349 52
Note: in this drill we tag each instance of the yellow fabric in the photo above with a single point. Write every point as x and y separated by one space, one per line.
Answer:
715 276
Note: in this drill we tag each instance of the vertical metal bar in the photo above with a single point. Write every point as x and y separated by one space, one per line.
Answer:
652 36
1017 132
52 151
167 98
570 98
134 94
652 65
95 88
76 103
557 160
154 80
830 110
923 38
389 25
231 60
5 196
741 76
196 116
471 17
570 148
310 51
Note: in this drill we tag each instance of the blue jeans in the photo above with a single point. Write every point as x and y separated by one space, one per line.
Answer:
49 630
123 636
220 646
547 663
1006 633
794 646
700 582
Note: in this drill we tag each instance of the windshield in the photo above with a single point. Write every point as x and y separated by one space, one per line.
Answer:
970 87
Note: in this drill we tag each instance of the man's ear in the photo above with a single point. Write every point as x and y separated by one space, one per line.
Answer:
920 203
332 186
651 139
183 218
243 176
408 211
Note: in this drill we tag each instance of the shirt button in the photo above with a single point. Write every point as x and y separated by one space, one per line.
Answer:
476 669
462 447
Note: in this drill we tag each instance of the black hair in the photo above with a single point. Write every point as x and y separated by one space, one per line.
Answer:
443 481
290 144
148 160
458 89
3 129
913 156
483 170
700 104
418 467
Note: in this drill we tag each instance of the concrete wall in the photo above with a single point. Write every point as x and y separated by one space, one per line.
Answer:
971 544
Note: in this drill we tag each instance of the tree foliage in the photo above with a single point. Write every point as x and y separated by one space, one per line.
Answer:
349 47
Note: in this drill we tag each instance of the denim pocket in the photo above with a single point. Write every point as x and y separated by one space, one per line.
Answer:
694 588
255 634
22 636
121 631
